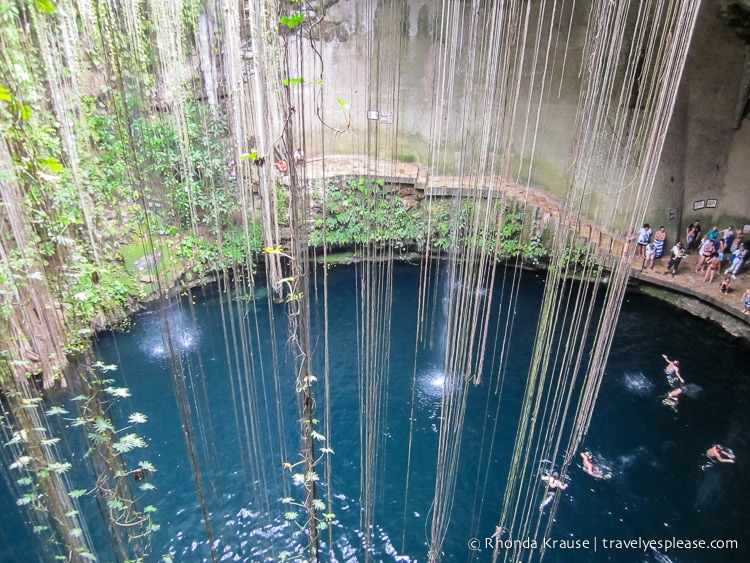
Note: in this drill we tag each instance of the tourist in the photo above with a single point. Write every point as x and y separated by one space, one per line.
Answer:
299 156
746 302
726 285
705 251
644 236
660 237
692 234
282 166
720 454
553 485
735 245
648 260
729 234
674 262
713 268
713 233
589 467
737 261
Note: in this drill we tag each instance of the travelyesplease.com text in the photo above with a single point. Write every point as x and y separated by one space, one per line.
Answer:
601 544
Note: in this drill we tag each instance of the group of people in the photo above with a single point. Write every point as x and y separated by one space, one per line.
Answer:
714 455
716 249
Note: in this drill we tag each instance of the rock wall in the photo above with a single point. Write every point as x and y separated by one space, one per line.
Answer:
385 57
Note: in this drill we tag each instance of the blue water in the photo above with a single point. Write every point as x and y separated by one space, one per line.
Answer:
245 426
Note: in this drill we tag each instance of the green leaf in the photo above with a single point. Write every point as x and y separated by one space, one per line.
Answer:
318 504
121 392
149 508
292 21
22 461
76 532
60 468
45 6
77 493
146 487
137 418
102 425
51 163
129 442
5 94
291 515
56 410
294 81
342 103
25 112
251 155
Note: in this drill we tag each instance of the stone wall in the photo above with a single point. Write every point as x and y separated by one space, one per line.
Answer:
384 56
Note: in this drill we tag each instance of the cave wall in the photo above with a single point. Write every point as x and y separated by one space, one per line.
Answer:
385 56
704 157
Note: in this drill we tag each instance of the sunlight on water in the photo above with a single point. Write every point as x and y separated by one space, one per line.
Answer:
154 339
638 384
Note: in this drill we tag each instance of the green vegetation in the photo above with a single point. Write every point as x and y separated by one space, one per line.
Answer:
361 211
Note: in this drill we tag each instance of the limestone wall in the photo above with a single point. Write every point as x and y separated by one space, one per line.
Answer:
384 56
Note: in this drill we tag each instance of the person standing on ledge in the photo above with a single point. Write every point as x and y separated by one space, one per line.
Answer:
692 234
644 237
648 260
746 302
713 268
659 237
674 262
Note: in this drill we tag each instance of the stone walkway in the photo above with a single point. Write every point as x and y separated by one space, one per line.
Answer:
547 209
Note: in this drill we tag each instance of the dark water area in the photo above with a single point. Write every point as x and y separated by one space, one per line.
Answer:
244 415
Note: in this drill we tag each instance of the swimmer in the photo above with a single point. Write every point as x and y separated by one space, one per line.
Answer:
589 467
553 485
675 393
673 369
720 454
671 403
141 474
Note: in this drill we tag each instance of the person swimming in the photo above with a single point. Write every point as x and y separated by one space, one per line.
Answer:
589 467
553 485
142 474
719 454
673 371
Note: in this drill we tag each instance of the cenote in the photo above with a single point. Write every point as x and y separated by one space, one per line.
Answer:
245 424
